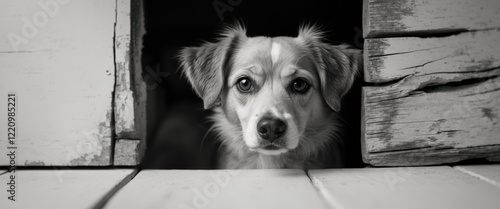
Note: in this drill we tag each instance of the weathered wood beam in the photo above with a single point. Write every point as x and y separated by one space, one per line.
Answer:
451 58
409 124
390 18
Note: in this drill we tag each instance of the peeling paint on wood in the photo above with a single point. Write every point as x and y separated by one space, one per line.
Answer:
389 18
404 124
124 98
459 56
101 156
127 152
130 89
63 76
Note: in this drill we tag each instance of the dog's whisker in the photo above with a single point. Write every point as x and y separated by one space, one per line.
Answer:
307 146
204 138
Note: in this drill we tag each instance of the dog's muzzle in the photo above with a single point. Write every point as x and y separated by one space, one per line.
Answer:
271 128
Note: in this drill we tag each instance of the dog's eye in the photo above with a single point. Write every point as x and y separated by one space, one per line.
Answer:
300 85
244 84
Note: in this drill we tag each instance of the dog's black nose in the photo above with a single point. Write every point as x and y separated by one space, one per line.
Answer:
271 128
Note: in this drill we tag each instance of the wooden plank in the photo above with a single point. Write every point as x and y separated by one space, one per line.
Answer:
124 98
452 58
127 152
384 18
139 85
130 89
488 173
410 124
61 188
218 189
58 59
421 187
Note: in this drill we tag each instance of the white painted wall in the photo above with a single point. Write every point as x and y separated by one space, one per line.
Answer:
63 76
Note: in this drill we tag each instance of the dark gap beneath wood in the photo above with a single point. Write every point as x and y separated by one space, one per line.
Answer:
435 87
421 34
440 87
473 150
398 53
402 150
83 167
386 83
453 86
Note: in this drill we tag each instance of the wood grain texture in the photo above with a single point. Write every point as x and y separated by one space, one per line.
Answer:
127 152
218 189
488 173
130 89
56 188
407 123
59 61
420 187
384 18
444 59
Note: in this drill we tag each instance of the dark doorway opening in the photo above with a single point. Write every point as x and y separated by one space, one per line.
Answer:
177 123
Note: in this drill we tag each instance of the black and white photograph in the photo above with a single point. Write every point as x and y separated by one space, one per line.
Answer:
229 104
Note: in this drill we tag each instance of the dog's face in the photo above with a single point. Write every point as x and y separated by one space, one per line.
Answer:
275 89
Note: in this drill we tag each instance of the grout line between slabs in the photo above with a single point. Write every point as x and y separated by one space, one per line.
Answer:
479 176
104 200
325 195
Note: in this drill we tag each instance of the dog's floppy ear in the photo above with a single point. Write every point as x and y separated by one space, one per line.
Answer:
337 65
205 66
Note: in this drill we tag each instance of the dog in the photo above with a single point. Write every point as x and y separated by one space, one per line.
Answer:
276 100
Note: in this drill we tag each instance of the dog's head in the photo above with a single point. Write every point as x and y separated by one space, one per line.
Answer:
273 89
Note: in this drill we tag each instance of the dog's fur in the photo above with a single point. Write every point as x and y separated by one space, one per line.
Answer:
313 136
